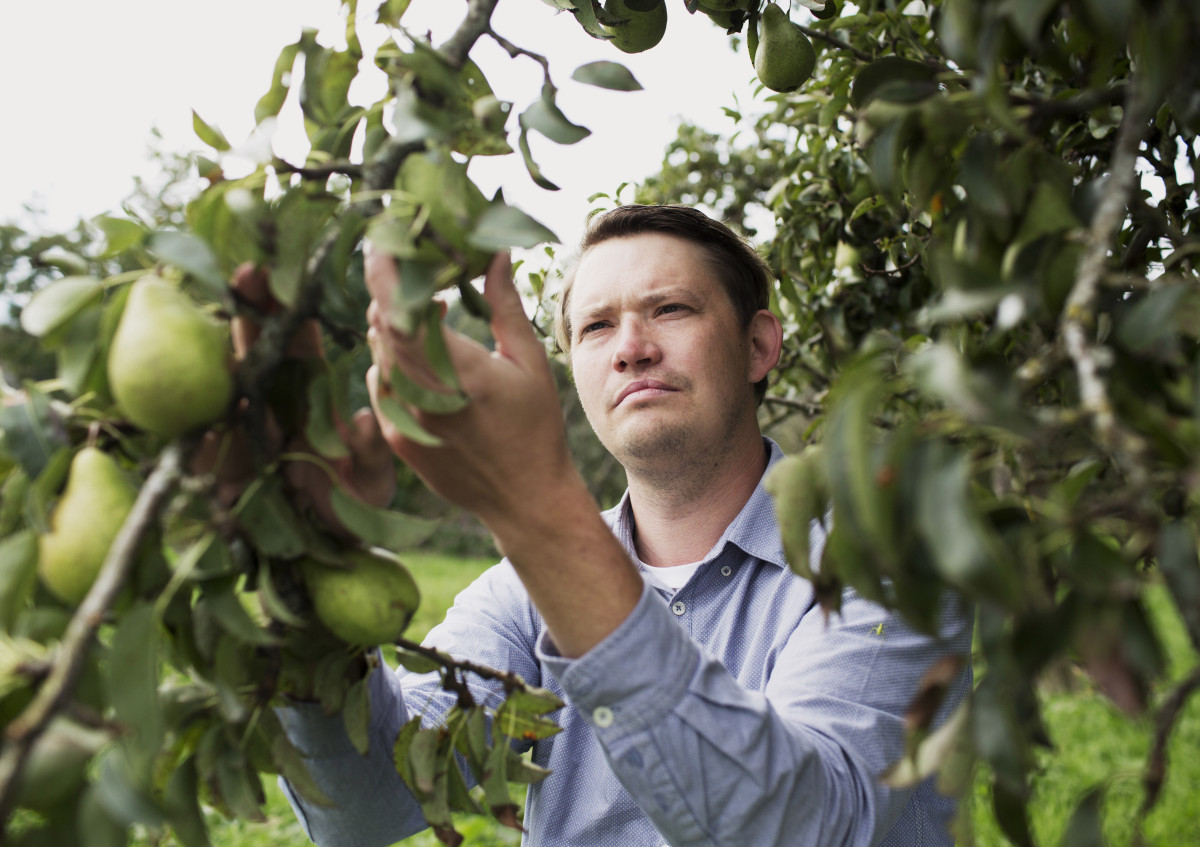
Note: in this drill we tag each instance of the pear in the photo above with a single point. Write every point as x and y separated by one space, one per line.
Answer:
785 58
91 510
367 603
720 5
57 764
643 27
168 366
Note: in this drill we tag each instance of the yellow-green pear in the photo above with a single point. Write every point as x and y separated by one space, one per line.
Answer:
368 602
642 28
92 508
169 364
785 58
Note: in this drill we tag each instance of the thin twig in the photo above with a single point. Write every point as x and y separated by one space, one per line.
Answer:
1164 722
55 692
861 55
1079 313
320 172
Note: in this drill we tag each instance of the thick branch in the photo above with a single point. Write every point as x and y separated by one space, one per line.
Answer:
55 692
1079 313
474 25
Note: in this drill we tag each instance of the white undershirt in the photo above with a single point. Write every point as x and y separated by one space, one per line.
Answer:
669 579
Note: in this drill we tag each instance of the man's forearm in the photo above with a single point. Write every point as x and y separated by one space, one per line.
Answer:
576 572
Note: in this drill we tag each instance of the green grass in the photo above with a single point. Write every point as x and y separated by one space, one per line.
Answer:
1095 743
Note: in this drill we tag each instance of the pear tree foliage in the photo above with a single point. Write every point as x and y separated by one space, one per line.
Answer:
983 220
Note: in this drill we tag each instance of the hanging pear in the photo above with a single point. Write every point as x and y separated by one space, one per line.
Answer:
644 24
368 603
785 58
89 514
168 366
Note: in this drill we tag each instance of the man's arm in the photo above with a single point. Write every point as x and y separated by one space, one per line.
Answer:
505 458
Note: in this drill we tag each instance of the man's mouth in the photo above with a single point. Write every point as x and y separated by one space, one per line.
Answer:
643 387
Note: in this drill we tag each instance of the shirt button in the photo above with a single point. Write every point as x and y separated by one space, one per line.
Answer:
726 570
602 716
678 607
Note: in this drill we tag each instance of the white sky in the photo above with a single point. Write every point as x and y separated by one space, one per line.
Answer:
84 81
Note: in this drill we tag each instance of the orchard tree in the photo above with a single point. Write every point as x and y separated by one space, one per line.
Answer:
983 219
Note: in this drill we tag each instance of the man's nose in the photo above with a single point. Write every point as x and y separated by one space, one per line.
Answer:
636 346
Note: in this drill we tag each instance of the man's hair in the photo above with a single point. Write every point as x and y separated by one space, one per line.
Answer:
744 274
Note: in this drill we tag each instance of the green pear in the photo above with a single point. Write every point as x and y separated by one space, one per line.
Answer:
643 28
721 5
168 366
367 603
57 764
785 58
91 510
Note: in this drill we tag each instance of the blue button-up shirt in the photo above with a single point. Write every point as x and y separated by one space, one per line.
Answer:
729 713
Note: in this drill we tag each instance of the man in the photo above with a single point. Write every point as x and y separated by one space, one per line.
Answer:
709 700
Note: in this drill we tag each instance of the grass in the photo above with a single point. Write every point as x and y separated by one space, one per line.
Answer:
1095 743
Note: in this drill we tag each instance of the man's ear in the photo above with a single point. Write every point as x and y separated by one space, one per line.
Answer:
766 340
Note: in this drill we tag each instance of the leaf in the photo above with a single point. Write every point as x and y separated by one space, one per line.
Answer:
319 428
95 826
269 521
404 422
892 78
426 399
32 432
270 103
293 767
222 601
1084 828
356 715
18 574
57 303
132 679
503 226
531 166
544 116
611 75
799 486
120 234
183 805
120 794
385 528
208 134
390 12
931 754
190 254
1178 561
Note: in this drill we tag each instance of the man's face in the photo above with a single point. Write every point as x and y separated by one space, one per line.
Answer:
660 360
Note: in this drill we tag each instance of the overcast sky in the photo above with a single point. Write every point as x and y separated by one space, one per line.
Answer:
84 82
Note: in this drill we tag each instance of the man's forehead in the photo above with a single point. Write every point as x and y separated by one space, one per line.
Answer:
646 267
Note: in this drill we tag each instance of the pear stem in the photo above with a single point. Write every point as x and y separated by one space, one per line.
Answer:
54 693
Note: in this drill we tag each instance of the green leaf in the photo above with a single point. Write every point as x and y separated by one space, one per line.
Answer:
356 715
544 116
418 662
190 254
503 226
1178 561
122 794
611 75
1084 828
221 598
385 528
132 680
426 399
319 427
96 826
183 805
32 431
390 12
271 102
292 765
18 574
208 134
268 519
398 416
57 303
120 234
892 78
531 166
800 489
1154 319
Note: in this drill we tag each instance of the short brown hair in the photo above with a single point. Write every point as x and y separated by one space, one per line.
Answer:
744 274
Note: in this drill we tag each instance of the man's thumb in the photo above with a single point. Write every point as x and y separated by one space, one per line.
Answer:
514 335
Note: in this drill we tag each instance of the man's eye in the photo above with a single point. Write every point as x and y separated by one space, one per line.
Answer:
592 327
671 307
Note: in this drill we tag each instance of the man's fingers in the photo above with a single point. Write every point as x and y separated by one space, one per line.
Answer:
515 338
253 286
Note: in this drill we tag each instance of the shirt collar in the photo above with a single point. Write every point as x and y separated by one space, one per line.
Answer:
755 530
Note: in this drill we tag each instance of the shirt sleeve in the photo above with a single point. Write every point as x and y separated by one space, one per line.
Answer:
490 623
713 763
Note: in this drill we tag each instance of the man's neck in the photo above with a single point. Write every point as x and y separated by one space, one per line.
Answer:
677 521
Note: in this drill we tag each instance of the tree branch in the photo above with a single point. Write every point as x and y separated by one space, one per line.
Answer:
1164 722
861 55
1079 312
55 692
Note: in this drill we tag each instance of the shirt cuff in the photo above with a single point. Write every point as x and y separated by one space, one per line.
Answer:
635 676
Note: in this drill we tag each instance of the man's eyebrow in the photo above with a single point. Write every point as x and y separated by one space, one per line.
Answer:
653 298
